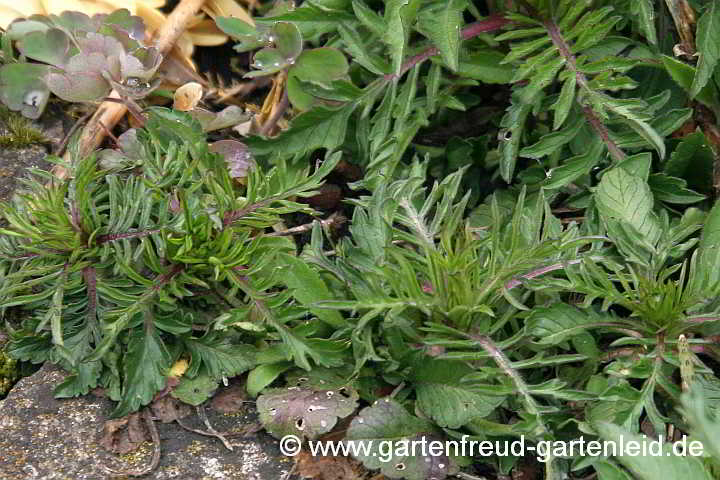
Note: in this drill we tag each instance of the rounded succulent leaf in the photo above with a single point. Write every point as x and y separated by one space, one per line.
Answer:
19 28
320 65
287 39
22 88
122 20
268 60
50 46
82 80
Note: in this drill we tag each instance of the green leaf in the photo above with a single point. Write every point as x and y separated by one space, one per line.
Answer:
249 37
564 102
442 26
483 64
444 397
51 46
664 464
387 424
552 141
263 375
635 121
369 19
638 165
703 425
645 11
692 161
684 75
219 356
196 390
574 167
304 412
146 363
398 30
555 324
320 127
22 88
609 471
268 60
707 41
360 52
627 198
707 274
320 65
672 190
235 27
287 39
513 122
309 288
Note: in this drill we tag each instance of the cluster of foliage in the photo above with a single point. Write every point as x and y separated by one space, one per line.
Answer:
537 259
81 60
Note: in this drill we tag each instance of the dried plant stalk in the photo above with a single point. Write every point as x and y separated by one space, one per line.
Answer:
684 18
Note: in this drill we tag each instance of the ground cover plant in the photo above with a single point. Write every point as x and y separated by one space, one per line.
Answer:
531 238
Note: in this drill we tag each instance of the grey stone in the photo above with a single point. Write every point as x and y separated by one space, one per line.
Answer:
57 439
15 162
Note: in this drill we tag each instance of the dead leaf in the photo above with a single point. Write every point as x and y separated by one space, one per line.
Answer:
187 97
329 468
230 399
167 409
123 435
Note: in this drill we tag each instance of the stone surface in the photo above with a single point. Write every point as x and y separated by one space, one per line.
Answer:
46 438
15 162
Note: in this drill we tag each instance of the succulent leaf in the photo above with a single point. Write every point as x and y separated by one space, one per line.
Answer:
22 88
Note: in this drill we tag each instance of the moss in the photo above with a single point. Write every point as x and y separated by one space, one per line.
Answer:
9 373
21 133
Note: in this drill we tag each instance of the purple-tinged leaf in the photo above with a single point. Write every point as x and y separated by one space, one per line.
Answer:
304 412
237 156
122 21
388 423
83 79
73 22
102 44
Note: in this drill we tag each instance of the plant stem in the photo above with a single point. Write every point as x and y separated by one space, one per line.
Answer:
506 366
582 81
490 24
277 114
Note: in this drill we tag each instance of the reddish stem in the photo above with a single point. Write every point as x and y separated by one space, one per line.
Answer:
490 24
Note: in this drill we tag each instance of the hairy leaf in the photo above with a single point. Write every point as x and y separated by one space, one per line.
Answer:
708 39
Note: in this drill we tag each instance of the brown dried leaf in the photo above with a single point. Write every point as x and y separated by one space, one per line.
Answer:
167 409
329 468
187 97
123 435
229 400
